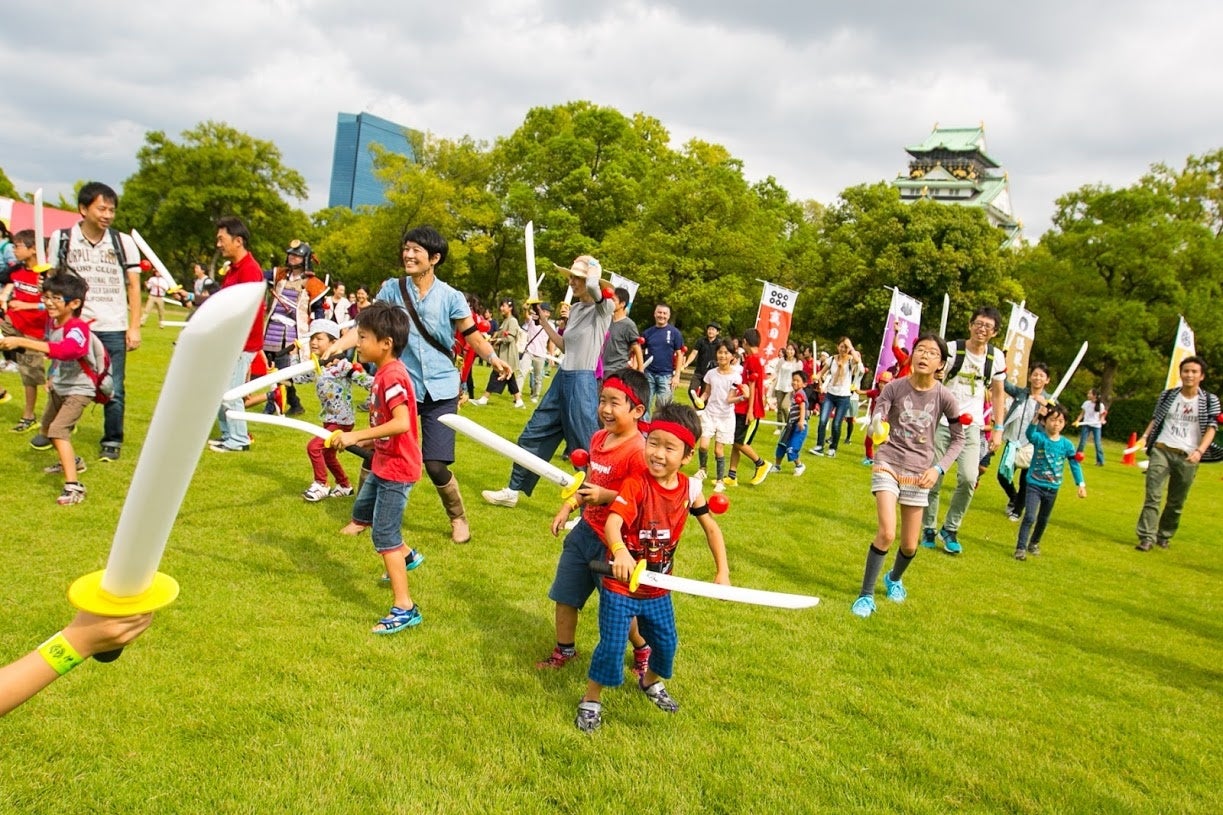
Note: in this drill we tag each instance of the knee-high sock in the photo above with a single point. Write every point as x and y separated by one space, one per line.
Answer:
874 565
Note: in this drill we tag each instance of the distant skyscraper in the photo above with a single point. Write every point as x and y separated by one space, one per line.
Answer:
352 166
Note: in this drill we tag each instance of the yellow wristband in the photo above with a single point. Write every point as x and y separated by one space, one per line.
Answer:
60 654
572 502
616 549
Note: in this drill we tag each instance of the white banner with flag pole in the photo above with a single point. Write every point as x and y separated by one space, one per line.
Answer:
1182 347
1020 336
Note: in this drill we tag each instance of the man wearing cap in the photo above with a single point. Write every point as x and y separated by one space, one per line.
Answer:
569 410
622 350
704 355
435 310
664 346
535 357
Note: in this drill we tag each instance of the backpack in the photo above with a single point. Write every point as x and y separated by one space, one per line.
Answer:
957 362
65 235
96 365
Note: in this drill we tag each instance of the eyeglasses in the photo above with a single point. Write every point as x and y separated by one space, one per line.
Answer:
982 325
53 298
927 352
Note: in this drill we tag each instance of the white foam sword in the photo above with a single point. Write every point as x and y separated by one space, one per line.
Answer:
1074 366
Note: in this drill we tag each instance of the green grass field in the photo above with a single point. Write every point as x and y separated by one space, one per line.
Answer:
1087 680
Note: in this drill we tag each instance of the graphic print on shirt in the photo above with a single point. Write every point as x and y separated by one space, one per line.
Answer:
917 424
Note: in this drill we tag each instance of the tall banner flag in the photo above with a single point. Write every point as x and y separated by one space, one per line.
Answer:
1183 347
773 319
1020 335
901 328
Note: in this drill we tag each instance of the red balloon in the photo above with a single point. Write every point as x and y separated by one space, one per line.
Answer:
718 503
483 325
608 293
965 419
579 458
1078 456
145 265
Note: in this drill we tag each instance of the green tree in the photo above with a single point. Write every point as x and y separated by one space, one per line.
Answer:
6 187
181 188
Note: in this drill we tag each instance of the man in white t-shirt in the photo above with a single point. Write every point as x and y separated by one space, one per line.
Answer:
1179 434
109 262
974 370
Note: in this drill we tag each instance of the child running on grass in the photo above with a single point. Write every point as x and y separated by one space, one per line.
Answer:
646 521
333 383
719 393
906 416
382 332
790 445
72 390
24 316
1050 451
616 453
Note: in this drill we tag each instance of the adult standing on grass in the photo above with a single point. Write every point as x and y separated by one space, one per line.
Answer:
1179 434
703 357
436 311
665 345
838 378
109 262
1092 416
233 242
907 464
974 370
505 341
569 410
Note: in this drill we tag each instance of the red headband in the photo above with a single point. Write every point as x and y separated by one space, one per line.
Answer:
618 384
674 428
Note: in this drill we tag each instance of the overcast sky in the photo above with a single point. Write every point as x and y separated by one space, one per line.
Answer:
819 95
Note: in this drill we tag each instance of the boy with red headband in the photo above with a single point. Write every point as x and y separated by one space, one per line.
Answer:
616 452
645 522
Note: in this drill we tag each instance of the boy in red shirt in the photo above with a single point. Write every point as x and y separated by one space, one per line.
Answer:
25 317
749 412
617 451
646 521
382 332
71 388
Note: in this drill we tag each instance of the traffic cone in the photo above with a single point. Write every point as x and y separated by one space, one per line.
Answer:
1128 458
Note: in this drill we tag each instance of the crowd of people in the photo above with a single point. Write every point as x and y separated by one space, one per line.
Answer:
612 393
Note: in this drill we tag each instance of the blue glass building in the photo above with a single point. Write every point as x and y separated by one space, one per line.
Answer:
352 165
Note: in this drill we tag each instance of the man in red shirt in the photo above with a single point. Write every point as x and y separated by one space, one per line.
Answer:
233 240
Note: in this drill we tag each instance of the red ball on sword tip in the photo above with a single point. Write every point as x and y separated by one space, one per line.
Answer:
579 458
718 503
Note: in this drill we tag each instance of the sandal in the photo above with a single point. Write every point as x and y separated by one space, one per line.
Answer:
398 620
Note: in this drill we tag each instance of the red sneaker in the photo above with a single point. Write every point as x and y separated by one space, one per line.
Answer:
557 659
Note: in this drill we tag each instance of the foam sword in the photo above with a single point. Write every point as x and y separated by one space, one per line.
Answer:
569 484
1074 366
716 591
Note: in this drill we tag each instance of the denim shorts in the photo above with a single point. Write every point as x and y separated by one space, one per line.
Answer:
380 506
574 582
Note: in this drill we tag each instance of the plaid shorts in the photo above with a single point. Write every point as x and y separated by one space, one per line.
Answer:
655 620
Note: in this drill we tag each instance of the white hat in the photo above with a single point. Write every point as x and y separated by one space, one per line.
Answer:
328 327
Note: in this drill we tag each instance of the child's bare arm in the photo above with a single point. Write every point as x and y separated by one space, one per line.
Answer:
13 343
717 545
398 423
622 565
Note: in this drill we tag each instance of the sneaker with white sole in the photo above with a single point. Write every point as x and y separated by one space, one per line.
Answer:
895 588
817 451
340 491
316 492
719 487
482 401
73 493
501 498
520 404
657 694
59 468
776 468
832 452
863 607
799 468
700 475
590 716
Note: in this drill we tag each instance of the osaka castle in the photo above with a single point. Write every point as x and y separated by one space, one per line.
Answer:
952 167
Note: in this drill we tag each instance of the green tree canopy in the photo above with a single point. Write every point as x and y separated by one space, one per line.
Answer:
6 186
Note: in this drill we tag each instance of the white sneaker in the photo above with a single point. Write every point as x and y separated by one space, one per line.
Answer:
502 498
483 400
719 487
775 469
520 404
700 475
799 468
340 492
817 451
315 492
832 453
777 432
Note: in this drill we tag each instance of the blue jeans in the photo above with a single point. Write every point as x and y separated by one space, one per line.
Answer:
1038 507
574 582
837 406
568 412
233 432
791 444
660 390
1094 433
115 343
380 505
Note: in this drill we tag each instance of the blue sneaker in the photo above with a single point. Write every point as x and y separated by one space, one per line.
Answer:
398 619
863 606
927 538
950 544
896 590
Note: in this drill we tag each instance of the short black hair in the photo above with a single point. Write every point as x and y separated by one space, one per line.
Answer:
752 337
622 295
1195 359
26 238
990 312
94 190
683 415
233 225
937 340
429 238
69 286
1058 409
636 381
802 375
386 321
